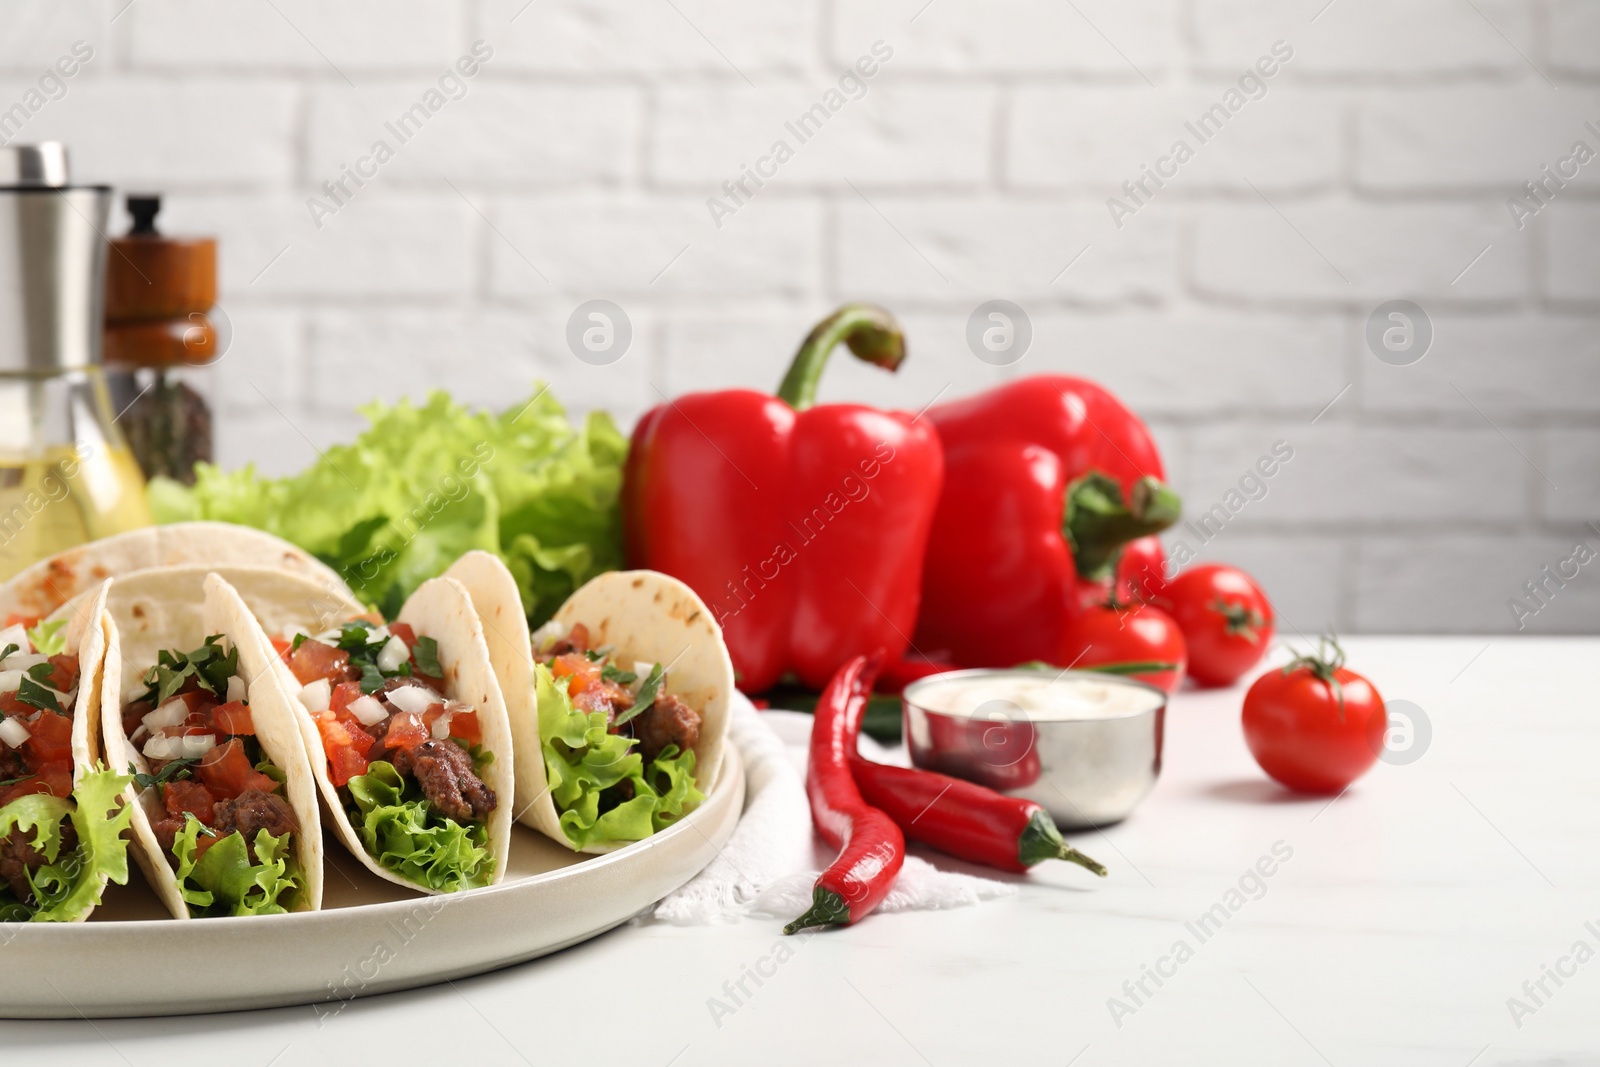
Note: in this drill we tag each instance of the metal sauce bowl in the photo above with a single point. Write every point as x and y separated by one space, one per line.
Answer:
1085 772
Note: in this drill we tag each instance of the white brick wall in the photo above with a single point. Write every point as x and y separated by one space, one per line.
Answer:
975 163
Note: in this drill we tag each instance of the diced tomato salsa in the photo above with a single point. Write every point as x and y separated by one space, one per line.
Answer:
314 660
49 739
583 671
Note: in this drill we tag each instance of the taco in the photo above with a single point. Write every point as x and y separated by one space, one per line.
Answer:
42 588
408 738
62 815
224 809
619 704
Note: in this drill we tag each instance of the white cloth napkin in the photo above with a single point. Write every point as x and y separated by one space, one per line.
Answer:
773 857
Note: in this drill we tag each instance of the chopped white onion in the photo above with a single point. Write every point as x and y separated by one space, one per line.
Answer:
21 661
197 744
10 681
16 635
162 747
376 632
368 711
13 733
236 688
547 635
412 698
317 695
394 653
441 727
169 714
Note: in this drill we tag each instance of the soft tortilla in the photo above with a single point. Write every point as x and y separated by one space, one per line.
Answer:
155 609
646 616
42 588
440 610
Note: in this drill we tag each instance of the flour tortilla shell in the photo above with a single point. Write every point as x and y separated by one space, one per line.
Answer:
156 609
646 616
42 588
439 609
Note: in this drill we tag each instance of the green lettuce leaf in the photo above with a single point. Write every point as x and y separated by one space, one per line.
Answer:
225 882
405 835
582 761
69 884
424 484
49 638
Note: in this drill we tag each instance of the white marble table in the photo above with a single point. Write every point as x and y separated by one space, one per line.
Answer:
1409 913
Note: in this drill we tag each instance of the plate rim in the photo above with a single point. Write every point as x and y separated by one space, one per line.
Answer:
728 775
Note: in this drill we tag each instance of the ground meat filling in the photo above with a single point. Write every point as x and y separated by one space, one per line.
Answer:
444 771
11 763
668 721
18 859
253 811
442 768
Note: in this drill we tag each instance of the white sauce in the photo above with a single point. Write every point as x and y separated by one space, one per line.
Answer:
1037 696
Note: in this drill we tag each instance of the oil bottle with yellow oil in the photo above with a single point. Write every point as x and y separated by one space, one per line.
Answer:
66 473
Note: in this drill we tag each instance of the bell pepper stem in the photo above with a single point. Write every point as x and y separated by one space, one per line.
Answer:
1099 522
1042 841
827 908
872 334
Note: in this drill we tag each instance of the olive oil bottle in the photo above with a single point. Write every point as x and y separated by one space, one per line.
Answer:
66 474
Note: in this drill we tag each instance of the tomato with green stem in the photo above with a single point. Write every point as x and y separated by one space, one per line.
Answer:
1135 640
1226 621
1315 725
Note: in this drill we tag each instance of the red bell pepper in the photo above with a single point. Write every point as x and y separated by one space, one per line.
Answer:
802 527
1046 479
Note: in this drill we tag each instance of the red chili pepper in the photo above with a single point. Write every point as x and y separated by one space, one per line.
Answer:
964 819
871 848
802 527
1045 480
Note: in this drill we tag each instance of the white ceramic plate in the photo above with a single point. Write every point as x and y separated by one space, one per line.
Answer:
371 937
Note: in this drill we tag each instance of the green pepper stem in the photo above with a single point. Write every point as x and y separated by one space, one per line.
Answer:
872 334
1098 522
827 908
1041 841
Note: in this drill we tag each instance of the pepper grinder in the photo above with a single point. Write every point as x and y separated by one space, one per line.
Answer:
159 292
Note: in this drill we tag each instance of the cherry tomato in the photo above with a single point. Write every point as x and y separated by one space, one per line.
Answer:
314 660
1104 635
1225 618
1142 570
1315 726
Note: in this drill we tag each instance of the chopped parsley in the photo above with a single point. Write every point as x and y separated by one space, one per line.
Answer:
646 697
208 666
31 693
427 655
177 769
608 673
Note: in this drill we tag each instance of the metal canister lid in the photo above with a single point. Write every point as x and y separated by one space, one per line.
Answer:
34 166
